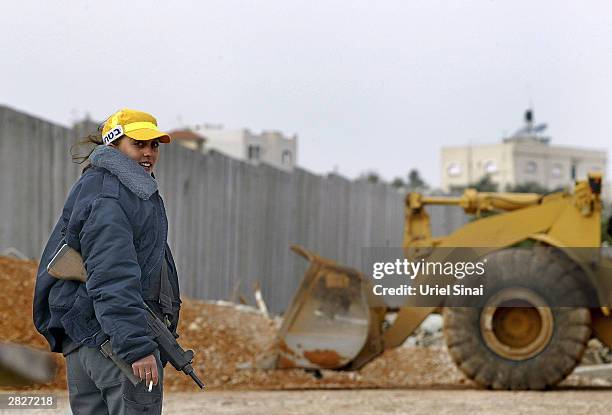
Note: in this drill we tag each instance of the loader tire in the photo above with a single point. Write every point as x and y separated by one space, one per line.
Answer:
528 347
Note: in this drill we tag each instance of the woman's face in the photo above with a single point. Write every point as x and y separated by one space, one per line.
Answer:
144 153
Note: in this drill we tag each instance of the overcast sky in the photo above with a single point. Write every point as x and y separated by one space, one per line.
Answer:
378 85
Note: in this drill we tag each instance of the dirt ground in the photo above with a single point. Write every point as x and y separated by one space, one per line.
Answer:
225 337
586 401
417 378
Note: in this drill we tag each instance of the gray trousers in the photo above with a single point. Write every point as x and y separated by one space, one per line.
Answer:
97 387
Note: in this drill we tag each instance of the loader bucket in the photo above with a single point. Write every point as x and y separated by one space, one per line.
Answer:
327 323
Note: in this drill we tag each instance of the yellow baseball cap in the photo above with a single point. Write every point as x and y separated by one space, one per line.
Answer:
134 124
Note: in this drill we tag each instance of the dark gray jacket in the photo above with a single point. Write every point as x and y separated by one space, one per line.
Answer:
115 217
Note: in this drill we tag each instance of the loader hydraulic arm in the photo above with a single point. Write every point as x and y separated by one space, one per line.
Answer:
473 201
417 232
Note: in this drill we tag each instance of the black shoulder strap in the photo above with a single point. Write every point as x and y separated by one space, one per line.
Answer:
165 291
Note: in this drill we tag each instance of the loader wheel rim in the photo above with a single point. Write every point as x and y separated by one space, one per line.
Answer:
516 323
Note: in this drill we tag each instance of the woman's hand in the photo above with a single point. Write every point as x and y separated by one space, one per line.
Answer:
146 369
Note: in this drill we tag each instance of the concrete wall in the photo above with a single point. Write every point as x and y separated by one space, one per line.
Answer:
230 222
35 176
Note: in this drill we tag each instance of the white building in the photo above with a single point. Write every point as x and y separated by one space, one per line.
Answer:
527 156
270 147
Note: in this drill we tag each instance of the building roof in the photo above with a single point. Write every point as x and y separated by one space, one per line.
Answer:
186 135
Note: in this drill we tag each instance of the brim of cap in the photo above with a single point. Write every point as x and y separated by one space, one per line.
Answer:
146 134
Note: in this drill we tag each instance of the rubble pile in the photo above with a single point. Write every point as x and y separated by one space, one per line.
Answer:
228 338
428 334
17 278
597 353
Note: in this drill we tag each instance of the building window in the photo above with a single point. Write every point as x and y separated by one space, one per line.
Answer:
454 169
490 167
286 157
531 167
254 153
557 171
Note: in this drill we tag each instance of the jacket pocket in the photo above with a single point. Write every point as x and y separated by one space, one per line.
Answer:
62 294
80 321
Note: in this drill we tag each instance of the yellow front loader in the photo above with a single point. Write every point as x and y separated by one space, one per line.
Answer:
519 339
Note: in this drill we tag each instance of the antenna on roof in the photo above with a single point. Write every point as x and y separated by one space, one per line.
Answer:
530 131
529 115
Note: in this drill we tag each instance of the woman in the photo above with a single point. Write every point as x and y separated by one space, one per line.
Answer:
115 217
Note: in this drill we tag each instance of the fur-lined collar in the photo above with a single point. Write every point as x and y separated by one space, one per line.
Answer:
130 173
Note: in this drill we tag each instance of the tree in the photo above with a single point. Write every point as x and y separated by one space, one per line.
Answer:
398 183
484 184
530 187
415 182
370 176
